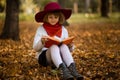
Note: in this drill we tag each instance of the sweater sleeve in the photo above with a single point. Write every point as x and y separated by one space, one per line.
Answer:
65 32
37 44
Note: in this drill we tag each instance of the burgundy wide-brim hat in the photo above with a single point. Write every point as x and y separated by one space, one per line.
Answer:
52 6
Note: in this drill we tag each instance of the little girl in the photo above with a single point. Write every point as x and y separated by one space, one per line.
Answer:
53 17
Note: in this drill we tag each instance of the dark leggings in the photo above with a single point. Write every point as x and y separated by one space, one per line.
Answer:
42 60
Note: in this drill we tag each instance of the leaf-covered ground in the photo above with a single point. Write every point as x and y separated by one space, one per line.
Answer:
97 53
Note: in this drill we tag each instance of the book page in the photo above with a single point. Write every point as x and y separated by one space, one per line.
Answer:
52 40
68 40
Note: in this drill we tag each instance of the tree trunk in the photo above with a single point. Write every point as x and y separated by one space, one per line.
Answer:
104 8
11 26
87 6
110 9
75 6
99 7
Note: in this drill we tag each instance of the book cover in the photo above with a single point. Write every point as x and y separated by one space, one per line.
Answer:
52 40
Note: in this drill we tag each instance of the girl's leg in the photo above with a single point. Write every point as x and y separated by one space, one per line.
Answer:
66 55
53 55
68 59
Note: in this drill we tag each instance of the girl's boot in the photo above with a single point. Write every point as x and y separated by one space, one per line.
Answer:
66 73
74 72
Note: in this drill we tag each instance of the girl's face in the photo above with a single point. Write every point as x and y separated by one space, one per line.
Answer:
53 19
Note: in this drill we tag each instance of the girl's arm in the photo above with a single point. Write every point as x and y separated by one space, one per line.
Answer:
37 44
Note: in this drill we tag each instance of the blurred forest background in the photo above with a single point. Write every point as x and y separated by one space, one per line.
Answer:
25 10
95 23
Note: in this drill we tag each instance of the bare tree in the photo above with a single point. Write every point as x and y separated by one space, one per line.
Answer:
87 6
104 8
11 25
75 6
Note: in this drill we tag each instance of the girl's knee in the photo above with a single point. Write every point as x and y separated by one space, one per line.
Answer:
63 46
54 47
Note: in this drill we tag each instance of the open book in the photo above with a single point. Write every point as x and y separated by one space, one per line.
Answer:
52 40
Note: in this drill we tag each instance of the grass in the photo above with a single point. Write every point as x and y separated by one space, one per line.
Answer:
75 18
86 18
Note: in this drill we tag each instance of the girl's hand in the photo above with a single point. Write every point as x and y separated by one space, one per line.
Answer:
44 39
71 46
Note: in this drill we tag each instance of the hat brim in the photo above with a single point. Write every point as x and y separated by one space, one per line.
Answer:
40 15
